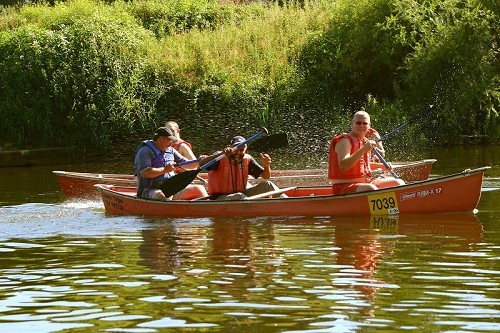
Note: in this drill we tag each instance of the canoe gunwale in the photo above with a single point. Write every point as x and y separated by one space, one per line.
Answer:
278 173
93 176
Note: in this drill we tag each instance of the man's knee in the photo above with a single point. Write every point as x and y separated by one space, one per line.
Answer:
390 182
269 186
191 192
366 187
158 195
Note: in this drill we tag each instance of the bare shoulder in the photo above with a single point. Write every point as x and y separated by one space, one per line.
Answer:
343 145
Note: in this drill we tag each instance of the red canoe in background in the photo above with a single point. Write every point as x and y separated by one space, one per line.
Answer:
81 184
458 192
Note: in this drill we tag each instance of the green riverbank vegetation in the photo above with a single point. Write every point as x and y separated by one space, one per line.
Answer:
102 75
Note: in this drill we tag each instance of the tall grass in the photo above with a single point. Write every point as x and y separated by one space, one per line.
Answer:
239 66
92 74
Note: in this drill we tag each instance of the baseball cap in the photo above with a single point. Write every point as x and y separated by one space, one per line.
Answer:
164 131
237 140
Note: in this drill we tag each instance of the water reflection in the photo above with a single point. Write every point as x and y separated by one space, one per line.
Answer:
362 243
301 260
460 226
170 244
159 249
291 274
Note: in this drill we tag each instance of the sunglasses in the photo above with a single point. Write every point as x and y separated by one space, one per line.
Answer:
361 123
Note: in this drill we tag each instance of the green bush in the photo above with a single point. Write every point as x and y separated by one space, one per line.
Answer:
83 73
413 54
174 17
72 75
455 66
354 56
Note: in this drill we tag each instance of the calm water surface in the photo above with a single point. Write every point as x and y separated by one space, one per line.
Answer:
66 266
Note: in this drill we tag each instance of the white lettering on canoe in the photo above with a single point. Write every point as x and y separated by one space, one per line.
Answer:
407 196
425 193
110 201
420 194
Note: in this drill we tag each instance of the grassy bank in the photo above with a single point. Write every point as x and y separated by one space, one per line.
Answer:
97 75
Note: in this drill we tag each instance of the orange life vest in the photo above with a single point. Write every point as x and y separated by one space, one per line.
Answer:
229 177
360 169
177 143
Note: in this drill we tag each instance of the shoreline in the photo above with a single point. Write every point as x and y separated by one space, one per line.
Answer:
33 157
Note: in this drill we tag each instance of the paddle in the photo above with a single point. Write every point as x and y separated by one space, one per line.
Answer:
189 162
412 120
270 193
384 162
394 131
178 182
268 142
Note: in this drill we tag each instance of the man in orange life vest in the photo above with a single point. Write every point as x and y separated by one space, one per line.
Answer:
228 178
350 157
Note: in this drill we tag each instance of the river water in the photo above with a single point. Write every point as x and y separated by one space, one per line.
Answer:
67 266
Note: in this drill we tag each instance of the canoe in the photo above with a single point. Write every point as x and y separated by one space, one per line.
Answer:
458 192
408 171
81 184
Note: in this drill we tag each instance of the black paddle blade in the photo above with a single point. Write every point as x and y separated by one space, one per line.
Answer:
273 141
178 182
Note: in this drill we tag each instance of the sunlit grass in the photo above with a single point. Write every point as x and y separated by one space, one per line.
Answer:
254 49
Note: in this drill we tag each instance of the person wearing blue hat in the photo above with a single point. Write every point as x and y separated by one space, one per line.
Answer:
228 177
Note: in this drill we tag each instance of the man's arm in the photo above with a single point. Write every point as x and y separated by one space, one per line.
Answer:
256 170
185 151
205 159
145 157
375 136
151 172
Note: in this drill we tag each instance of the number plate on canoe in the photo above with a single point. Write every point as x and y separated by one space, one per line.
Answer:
383 204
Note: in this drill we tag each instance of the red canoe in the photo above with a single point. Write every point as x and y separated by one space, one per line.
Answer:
81 184
459 192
